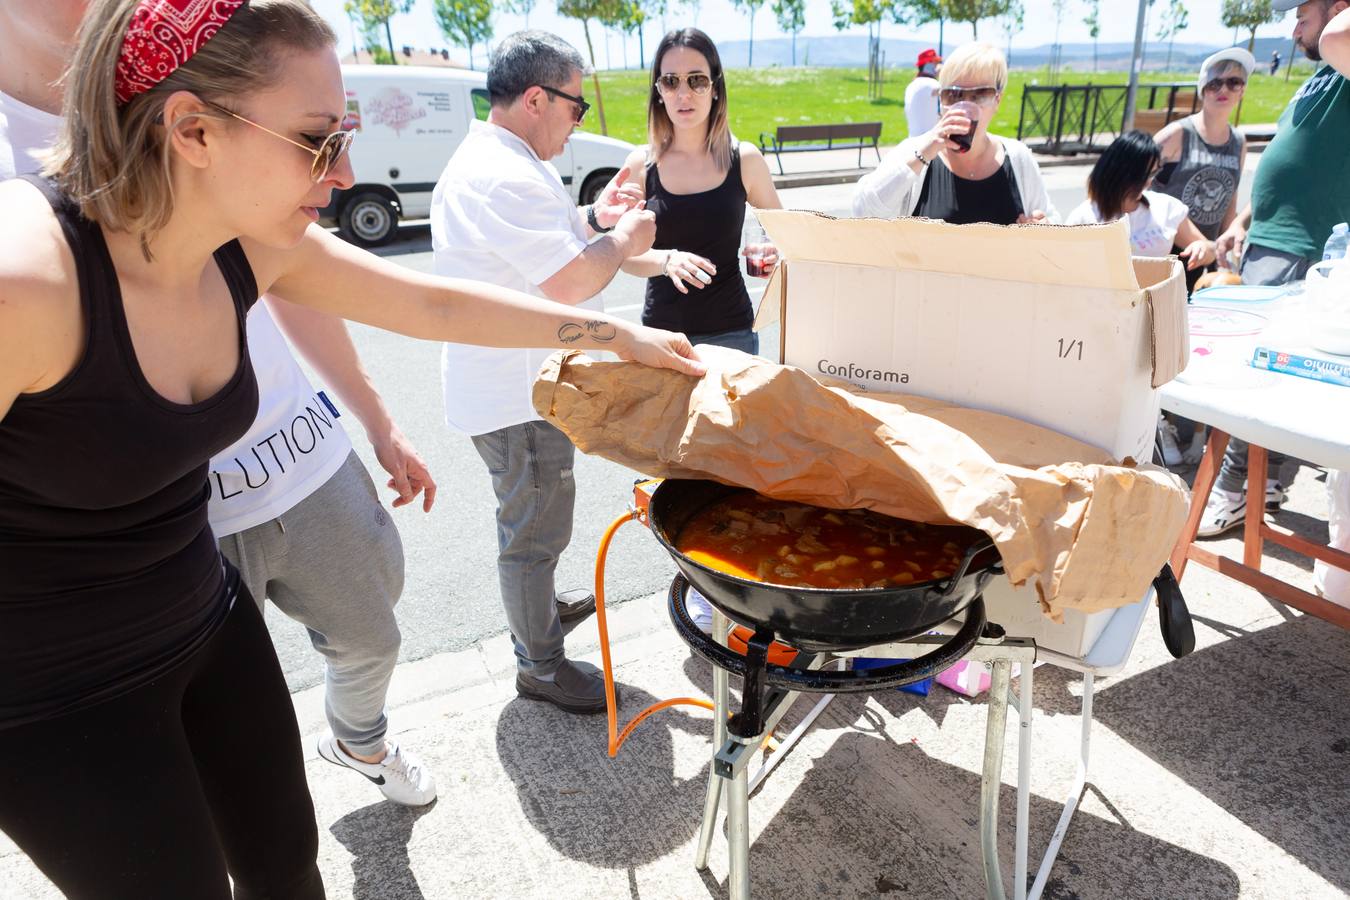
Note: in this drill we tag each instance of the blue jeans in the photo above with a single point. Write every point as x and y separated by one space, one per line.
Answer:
741 339
531 469
1260 265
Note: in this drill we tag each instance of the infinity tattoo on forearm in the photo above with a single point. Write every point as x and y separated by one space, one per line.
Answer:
597 329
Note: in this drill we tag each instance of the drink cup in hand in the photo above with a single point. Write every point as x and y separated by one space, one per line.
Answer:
972 111
760 253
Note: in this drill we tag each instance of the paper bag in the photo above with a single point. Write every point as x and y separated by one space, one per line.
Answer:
1089 534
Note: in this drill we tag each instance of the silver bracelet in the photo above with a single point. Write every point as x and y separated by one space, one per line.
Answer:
918 154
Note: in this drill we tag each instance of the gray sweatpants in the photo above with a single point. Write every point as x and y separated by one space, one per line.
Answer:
531 469
1260 265
334 563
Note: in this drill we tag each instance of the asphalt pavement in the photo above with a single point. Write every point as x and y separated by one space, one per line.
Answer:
450 601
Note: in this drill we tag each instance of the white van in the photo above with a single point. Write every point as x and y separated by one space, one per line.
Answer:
411 119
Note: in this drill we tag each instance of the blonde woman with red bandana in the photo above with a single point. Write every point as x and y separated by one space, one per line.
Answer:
149 744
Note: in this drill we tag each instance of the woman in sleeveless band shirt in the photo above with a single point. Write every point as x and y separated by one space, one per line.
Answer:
148 745
1202 154
698 179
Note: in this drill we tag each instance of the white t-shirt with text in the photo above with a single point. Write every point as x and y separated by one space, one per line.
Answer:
295 443
499 214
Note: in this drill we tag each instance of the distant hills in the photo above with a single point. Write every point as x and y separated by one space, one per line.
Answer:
851 50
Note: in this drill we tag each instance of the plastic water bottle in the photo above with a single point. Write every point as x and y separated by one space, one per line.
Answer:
1337 243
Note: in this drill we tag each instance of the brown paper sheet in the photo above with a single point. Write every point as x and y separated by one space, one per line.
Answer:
1089 534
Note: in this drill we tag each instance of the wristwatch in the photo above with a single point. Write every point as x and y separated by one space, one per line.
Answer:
594 222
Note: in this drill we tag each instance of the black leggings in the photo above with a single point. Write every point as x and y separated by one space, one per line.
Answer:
162 791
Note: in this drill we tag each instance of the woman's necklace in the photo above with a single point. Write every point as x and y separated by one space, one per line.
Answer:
973 162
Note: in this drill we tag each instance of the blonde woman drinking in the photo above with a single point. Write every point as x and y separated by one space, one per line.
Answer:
698 179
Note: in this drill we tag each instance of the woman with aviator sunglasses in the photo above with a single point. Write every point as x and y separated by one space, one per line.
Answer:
698 179
1203 154
958 172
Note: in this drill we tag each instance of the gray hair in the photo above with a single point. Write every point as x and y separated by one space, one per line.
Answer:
529 58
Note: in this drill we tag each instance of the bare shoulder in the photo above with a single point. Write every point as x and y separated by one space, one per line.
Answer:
751 151
41 330
636 163
1169 139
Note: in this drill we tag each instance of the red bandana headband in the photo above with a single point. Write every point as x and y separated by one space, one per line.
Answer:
164 34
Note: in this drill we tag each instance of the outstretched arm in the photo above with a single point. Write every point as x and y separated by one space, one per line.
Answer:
329 275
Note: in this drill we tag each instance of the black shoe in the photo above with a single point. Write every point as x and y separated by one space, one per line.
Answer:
573 606
576 687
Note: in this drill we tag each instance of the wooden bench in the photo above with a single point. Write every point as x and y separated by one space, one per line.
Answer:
1154 120
807 138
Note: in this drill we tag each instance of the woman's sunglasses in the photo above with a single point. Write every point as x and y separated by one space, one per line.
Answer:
669 83
983 96
1233 84
580 104
333 148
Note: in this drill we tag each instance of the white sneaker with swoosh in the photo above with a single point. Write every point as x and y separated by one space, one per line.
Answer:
400 776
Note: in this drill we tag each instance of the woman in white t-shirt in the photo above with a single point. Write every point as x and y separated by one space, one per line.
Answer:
1119 186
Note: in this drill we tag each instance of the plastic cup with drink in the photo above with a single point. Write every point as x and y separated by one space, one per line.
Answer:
760 253
963 141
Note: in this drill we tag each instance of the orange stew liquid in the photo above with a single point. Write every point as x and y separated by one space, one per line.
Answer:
780 542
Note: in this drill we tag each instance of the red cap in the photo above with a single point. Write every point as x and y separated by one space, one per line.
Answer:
928 56
161 36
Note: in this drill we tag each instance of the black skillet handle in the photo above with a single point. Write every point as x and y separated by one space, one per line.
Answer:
1178 632
972 551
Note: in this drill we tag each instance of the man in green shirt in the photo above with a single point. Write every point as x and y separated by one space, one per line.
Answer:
1302 189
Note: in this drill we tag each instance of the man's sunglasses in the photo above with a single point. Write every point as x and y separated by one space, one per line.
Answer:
333 148
669 83
979 95
581 105
1233 84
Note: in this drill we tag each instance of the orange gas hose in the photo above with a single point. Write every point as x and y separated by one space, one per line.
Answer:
616 738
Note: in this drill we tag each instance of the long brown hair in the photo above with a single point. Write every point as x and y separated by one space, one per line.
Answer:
114 159
660 130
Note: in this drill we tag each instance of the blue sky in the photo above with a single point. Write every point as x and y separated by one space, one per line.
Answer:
724 23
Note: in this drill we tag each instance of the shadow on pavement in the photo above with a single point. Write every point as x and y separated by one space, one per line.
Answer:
872 818
615 813
377 837
1258 725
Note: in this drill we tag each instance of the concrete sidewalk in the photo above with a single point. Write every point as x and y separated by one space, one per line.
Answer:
1224 774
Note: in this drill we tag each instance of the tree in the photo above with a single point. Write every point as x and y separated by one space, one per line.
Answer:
1175 19
1093 20
694 7
375 13
1059 7
1013 20
519 8
973 11
1249 14
464 22
751 7
604 12
791 16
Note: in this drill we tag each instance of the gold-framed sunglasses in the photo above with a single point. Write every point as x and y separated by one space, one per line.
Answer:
698 82
328 154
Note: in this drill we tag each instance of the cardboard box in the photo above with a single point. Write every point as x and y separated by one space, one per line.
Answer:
1053 325
1057 326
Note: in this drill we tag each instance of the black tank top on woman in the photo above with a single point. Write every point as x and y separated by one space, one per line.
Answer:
109 573
707 224
964 201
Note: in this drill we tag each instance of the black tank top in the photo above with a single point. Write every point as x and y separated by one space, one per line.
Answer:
111 574
708 224
962 201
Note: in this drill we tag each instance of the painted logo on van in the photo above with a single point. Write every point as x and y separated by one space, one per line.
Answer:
394 108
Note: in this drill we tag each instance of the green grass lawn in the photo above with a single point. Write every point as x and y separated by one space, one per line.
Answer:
764 98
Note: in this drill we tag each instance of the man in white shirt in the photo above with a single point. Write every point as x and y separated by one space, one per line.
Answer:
290 503
501 214
921 96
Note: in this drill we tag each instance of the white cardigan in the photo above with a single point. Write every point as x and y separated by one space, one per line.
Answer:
892 189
